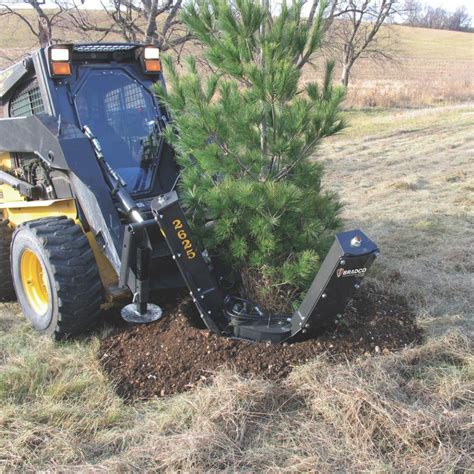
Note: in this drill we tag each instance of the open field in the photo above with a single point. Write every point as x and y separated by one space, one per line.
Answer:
410 183
407 178
429 67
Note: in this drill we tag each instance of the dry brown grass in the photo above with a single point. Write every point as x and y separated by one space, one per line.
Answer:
394 413
409 411
407 178
409 183
388 93
429 67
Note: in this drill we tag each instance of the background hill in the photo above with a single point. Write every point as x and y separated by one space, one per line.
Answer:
429 66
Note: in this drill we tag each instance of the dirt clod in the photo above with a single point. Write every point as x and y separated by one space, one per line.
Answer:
173 355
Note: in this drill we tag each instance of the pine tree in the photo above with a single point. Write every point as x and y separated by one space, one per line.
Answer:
244 136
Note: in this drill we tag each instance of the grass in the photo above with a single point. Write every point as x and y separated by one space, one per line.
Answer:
409 184
399 412
429 67
369 122
407 179
427 43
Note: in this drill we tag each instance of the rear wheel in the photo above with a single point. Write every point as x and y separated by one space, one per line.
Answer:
55 276
7 293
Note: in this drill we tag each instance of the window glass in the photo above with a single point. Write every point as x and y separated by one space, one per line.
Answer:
27 101
122 115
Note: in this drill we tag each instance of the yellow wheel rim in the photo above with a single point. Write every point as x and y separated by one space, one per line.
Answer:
34 282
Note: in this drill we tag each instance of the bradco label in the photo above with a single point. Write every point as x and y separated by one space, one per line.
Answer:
357 272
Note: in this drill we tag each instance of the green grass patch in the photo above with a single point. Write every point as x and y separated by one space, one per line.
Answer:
367 122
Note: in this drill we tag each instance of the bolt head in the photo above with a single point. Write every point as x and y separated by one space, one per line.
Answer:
356 241
324 295
357 286
342 262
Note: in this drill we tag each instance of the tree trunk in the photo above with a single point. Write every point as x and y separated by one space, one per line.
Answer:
44 32
151 26
347 62
345 75
263 125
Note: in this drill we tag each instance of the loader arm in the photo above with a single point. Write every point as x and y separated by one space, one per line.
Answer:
336 282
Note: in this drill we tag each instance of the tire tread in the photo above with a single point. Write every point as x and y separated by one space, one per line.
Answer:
7 291
76 276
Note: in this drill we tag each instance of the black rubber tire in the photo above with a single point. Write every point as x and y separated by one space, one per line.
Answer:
7 292
73 282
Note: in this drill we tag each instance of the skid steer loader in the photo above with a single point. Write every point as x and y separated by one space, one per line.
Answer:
89 208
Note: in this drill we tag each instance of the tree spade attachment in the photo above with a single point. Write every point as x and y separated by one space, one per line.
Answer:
336 282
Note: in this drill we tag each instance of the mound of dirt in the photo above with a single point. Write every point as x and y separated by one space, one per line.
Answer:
174 355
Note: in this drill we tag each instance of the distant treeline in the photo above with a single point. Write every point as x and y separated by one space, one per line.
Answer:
416 13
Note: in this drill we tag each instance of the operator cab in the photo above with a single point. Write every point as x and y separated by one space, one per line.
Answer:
109 89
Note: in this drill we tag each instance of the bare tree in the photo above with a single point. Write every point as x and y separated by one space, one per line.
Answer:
42 23
425 16
150 21
413 10
460 20
356 33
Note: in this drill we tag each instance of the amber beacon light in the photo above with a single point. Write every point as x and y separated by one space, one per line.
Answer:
60 61
151 59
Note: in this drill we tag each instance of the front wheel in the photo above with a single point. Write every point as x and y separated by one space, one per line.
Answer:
55 276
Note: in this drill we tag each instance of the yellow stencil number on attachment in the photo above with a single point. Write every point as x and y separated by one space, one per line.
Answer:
183 237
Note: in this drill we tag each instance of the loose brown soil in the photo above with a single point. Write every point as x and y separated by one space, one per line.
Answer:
174 355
